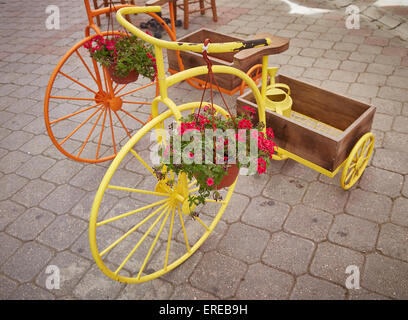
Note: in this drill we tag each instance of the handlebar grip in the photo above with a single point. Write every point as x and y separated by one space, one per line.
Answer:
254 43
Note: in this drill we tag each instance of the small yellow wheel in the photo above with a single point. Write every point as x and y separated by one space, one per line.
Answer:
357 160
151 230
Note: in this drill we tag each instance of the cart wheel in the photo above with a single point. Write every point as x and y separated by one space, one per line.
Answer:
159 230
86 114
357 160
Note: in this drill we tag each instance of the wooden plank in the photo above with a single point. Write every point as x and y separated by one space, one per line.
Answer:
328 107
296 138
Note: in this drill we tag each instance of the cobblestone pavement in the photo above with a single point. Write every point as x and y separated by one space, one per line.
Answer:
287 235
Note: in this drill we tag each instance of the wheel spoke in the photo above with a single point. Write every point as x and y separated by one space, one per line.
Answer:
101 134
72 98
154 242
137 89
111 246
78 127
169 238
75 113
123 87
202 223
77 82
86 66
138 157
161 194
89 135
141 240
138 102
184 229
124 215
123 125
349 174
132 116
113 135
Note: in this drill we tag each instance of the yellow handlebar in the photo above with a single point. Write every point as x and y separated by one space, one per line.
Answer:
183 46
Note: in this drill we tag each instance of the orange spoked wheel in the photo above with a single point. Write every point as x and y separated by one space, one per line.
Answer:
87 115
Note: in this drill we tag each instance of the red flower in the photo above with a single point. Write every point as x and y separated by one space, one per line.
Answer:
245 124
251 110
210 181
261 165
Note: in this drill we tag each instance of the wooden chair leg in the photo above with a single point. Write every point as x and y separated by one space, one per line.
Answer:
214 10
185 7
202 7
98 19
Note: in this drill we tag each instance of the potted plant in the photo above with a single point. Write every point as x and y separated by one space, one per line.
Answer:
124 56
212 149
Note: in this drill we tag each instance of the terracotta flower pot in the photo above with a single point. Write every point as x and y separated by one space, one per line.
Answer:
131 77
229 179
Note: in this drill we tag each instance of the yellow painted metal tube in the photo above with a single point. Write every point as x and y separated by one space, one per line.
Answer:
183 46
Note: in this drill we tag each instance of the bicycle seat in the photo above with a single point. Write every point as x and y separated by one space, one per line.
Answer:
277 45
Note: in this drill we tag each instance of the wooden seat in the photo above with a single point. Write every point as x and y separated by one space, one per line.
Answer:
277 45
105 3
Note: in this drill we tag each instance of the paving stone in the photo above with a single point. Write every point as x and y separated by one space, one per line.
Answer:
331 261
83 208
382 122
353 66
381 69
273 284
62 171
290 71
7 286
335 86
380 276
335 197
151 290
363 90
400 212
18 122
89 177
33 192
187 292
396 141
393 241
71 269
265 213
387 106
309 223
15 140
12 161
344 76
401 124
95 285
296 170
11 183
392 160
251 185
27 262
218 274
62 199
285 189
289 253
29 291
369 206
311 288
28 225
362 294
354 233
36 145
35 167
249 248
8 245
327 63
62 232
386 92
381 181
9 211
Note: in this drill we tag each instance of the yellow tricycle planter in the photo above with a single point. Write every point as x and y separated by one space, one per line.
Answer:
139 252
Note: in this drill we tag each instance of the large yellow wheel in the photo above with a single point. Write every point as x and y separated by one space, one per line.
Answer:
357 160
152 229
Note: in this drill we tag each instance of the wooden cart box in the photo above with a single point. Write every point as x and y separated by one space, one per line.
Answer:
323 127
227 82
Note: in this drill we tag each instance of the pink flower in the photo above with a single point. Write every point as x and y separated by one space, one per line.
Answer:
210 181
191 155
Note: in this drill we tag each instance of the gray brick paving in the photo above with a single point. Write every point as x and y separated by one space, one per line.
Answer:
288 234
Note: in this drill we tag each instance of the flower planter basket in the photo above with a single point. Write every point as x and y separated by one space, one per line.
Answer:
323 127
131 77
